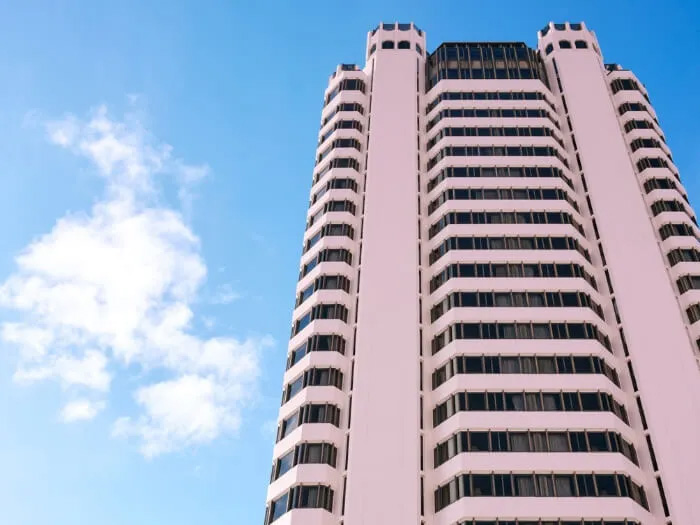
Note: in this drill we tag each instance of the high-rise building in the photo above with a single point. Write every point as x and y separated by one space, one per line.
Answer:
496 318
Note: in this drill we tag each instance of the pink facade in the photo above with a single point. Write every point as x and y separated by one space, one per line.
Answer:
497 310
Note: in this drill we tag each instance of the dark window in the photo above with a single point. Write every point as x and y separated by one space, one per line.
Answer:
278 507
693 313
404 44
688 282
527 402
388 44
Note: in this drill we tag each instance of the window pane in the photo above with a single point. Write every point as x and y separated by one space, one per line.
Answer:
481 484
524 485
545 486
598 441
479 441
528 365
545 365
476 401
285 463
539 441
502 486
510 365
514 401
558 442
519 442
279 507
313 453
606 484
564 485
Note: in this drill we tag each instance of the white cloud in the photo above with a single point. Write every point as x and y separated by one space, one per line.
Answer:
269 428
225 294
88 371
115 286
80 410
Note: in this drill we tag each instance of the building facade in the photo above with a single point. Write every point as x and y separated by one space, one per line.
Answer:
496 312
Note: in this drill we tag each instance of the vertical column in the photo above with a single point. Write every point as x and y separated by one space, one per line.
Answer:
383 463
659 347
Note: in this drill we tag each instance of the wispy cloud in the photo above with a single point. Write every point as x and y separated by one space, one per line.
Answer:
81 410
225 294
115 286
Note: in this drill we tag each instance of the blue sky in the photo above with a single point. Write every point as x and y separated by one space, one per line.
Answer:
183 132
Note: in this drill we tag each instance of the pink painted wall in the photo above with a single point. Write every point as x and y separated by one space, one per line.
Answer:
662 354
383 470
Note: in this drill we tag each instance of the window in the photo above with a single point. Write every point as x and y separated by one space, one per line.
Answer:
283 464
492 113
644 143
317 343
567 270
312 413
345 106
526 402
564 44
325 282
388 44
693 313
329 230
638 124
688 282
499 194
313 377
631 106
340 124
489 151
495 131
683 255
404 44
287 426
484 60
663 184
581 44
549 49
676 230
320 311
327 255
277 508
335 184
347 84
520 331
488 95
538 485
514 299
651 162
512 243
339 143
305 453
299 497
342 162
625 84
